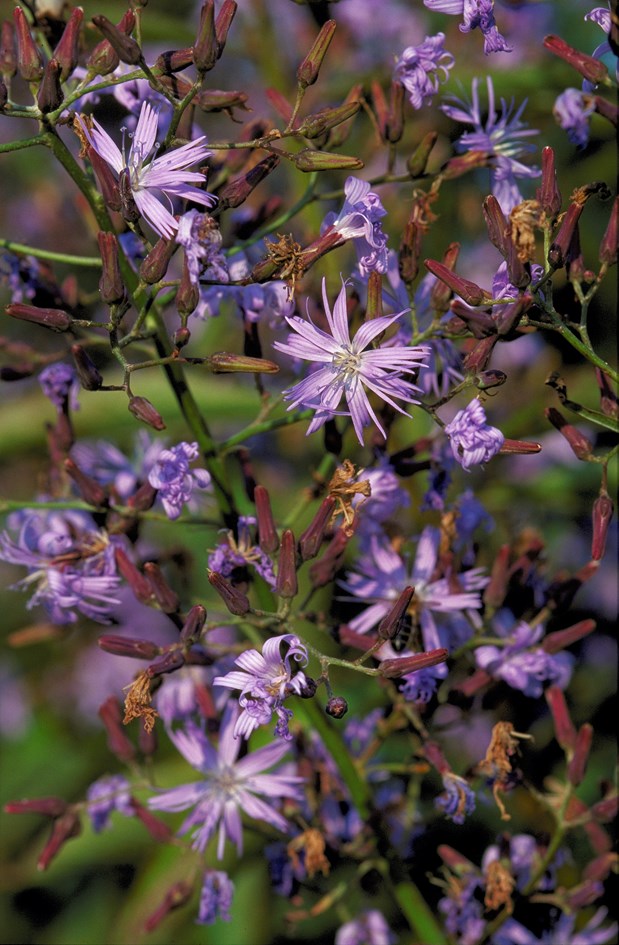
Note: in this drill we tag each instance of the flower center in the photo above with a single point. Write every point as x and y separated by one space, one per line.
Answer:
347 363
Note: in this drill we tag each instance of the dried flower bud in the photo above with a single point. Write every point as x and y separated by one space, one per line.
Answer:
123 45
8 58
128 646
548 195
577 767
67 50
560 245
87 372
603 509
194 623
174 60
317 124
29 62
155 265
220 100
67 826
313 536
111 715
236 191
286 585
608 246
564 727
223 23
307 73
111 285
53 318
268 539
175 897
309 160
392 622
581 446
90 490
225 363
143 410
164 595
336 707
205 47
592 69
49 96
235 600
469 291
49 806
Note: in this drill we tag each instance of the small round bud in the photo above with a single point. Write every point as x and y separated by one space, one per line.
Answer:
336 707
309 689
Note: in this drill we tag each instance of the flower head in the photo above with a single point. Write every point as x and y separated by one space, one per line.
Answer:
572 110
369 929
265 680
359 220
201 239
522 664
107 795
173 478
472 440
168 175
215 897
241 551
228 786
348 366
421 69
475 13
457 800
60 385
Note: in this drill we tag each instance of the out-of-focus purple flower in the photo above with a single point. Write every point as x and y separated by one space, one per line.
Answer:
265 680
463 910
470 515
21 274
173 478
421 69
359 220
15 702
475 13
421 685
110 467
60 385
215 898
360 732
70 564
369 929
257 302
457 800
500 136
524 857
522 664
282 869
472 440
513 933
241 552
387 495
201 239
168 175
442 464
348 366
572 110
228 787
601 16
106 795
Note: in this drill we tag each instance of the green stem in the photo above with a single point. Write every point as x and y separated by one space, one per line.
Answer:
23 143
265 426
93 262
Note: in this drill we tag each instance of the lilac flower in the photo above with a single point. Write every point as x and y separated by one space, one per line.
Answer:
283 871
458 799
359 220
70 564
241 552
265 680
257 302
463 909
442 464
369 929
173 478
499 137
215 898
472 440
21 274
475 13
387 495
513 933
421 69
602 17
347 367
228 787
522 664
201 239
572 110
110 467
168 175
59 383
106 795
420 685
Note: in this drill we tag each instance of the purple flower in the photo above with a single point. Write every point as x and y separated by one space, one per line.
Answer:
168 175
359 220
106 795
522 664
201 239
228 787
601 16
173 478
458 800
525 857
513 933
475 13
265 680
22 275
266 302
472 440
241 552
421 69
110 467
369 929
500 137
572 110
386 498
59 383
463 909
420 685
215 898
348 367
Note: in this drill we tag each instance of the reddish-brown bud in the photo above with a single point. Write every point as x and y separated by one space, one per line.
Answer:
87 372
434 754
603 509
49 806
323 570
111 715
53 318
8 58
469 291
583 895
394 669
143 410
221 100
608 246
205 47
317 124
441 292
479 323
592 69
155 265
336 707
498 227
156 828
175 897
49 96
496 589
223 23
194 623
286 585
577 766
188 292
520 446
312 538
581 446
489 379
599 868
558 640
548 195
111 285
144 498
225 363
90 490
559 248
140 585
418 161
307 73
374 306
564 727
395 117
124 46
479 356
309 160
609 404
29 62
104 58
507 320
67 50
108 185
606 810
67 826
339 134
164 595
128 646
168 662
181 337
174 60
463 163
235 600
147 739
236 191
391 624
268 539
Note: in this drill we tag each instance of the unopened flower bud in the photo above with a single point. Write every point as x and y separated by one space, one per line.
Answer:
581 446
268 539
523 447
577 767
313 536
418 161
119 744
609 405
124 45
205 48
488 379
111 286
606 810
496 589
143 410
441 293
548 195
498 228
174 60
603 508
307 73
181 337
308 691
143 498
223 23
164 595
391 624
67 826
155 265
374 305
508 319
194 623
564 727
600 867
323 570
608 246
395 118
235 600
156 827
188 293
8 58
90 490
169 662
339 134
89 376
380 109
469 291
220 100
48 806
225 363
317 124
29 62
286 585
309 160
128 206
108 185
174 898
558 640
592 69
479 356
67 50
49 96
53 318
104 58
395 668
560 245
463 163
236 191
336 707
128 646
140 585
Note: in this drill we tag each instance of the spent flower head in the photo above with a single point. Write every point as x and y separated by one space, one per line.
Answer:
359 220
